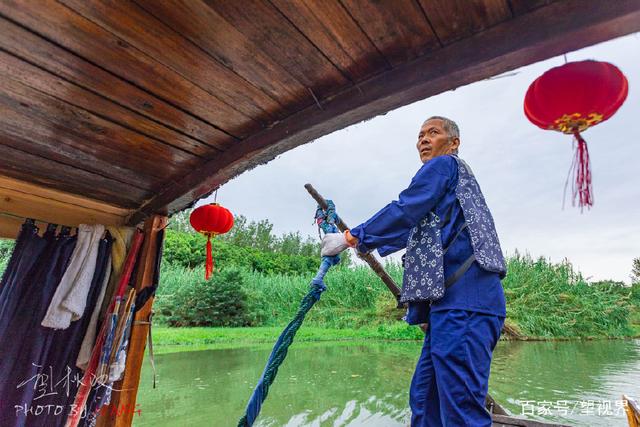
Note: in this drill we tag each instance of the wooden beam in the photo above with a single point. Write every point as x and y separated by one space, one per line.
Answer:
19 199
9 227
545 32
123 398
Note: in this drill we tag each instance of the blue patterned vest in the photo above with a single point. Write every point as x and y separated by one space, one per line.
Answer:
423 262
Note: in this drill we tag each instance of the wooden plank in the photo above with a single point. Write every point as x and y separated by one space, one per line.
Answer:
524 6
316 25
507 421
224 42
494 407
632 409
93 142
396 27
89 41
70 68
142 31
457 19
31 136
545 32
27 201
125 391
52 174
69 93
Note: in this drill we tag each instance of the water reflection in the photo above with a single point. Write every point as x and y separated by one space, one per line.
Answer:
344 383
578 372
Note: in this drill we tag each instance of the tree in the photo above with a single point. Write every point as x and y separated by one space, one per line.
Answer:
635 271
179 221
254 234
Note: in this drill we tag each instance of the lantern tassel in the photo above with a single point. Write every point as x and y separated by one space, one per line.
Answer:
208 269
582 187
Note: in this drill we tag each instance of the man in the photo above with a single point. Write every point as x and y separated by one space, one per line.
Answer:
452 271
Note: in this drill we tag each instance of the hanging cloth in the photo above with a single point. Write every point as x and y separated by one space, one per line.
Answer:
122 238
84 390
24 342
60 360
70 299
89 339
28 249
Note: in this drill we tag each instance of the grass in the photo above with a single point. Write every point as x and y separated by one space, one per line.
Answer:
544 301
191 339
549 300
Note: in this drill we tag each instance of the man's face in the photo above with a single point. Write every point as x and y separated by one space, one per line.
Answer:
433 140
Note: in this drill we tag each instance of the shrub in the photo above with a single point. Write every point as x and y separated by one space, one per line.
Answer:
6 248
220 301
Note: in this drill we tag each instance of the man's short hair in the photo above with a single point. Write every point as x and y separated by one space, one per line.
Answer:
449 126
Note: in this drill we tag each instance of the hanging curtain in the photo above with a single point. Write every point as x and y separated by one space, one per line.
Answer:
24 342
62 354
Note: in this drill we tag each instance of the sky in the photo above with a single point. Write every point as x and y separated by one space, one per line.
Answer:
521 169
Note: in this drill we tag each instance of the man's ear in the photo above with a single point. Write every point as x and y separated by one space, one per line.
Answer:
455 143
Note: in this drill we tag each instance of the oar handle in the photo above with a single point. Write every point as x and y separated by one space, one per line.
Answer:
368 258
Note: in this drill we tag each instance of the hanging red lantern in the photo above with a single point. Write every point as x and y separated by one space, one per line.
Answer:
211 220
570 99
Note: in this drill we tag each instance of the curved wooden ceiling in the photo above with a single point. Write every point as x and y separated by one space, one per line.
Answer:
149 105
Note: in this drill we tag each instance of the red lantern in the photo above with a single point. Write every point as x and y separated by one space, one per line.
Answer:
570 99
211 220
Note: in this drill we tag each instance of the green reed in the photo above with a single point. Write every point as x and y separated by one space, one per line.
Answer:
544 300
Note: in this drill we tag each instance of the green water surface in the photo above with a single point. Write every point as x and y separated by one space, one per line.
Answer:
366 384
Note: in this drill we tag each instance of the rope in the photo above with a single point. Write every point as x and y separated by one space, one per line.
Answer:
325 221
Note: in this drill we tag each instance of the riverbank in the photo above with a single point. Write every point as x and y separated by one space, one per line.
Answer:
172 340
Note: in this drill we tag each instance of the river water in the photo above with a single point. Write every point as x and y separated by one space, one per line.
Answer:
366 384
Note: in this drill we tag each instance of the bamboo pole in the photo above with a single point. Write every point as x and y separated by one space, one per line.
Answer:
122 408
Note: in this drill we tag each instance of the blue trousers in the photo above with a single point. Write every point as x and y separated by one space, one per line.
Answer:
451 379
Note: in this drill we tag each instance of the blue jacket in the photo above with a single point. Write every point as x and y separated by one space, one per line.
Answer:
433 191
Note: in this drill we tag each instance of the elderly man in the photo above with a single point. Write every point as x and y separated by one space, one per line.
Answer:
443 222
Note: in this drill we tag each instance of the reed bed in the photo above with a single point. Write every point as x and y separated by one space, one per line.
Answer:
545 300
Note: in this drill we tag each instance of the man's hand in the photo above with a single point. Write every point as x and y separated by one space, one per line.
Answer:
333 244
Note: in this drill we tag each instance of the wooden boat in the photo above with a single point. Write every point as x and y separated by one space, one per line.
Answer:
632 409
501 417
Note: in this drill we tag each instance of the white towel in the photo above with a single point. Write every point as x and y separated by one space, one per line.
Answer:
89 339
69 300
